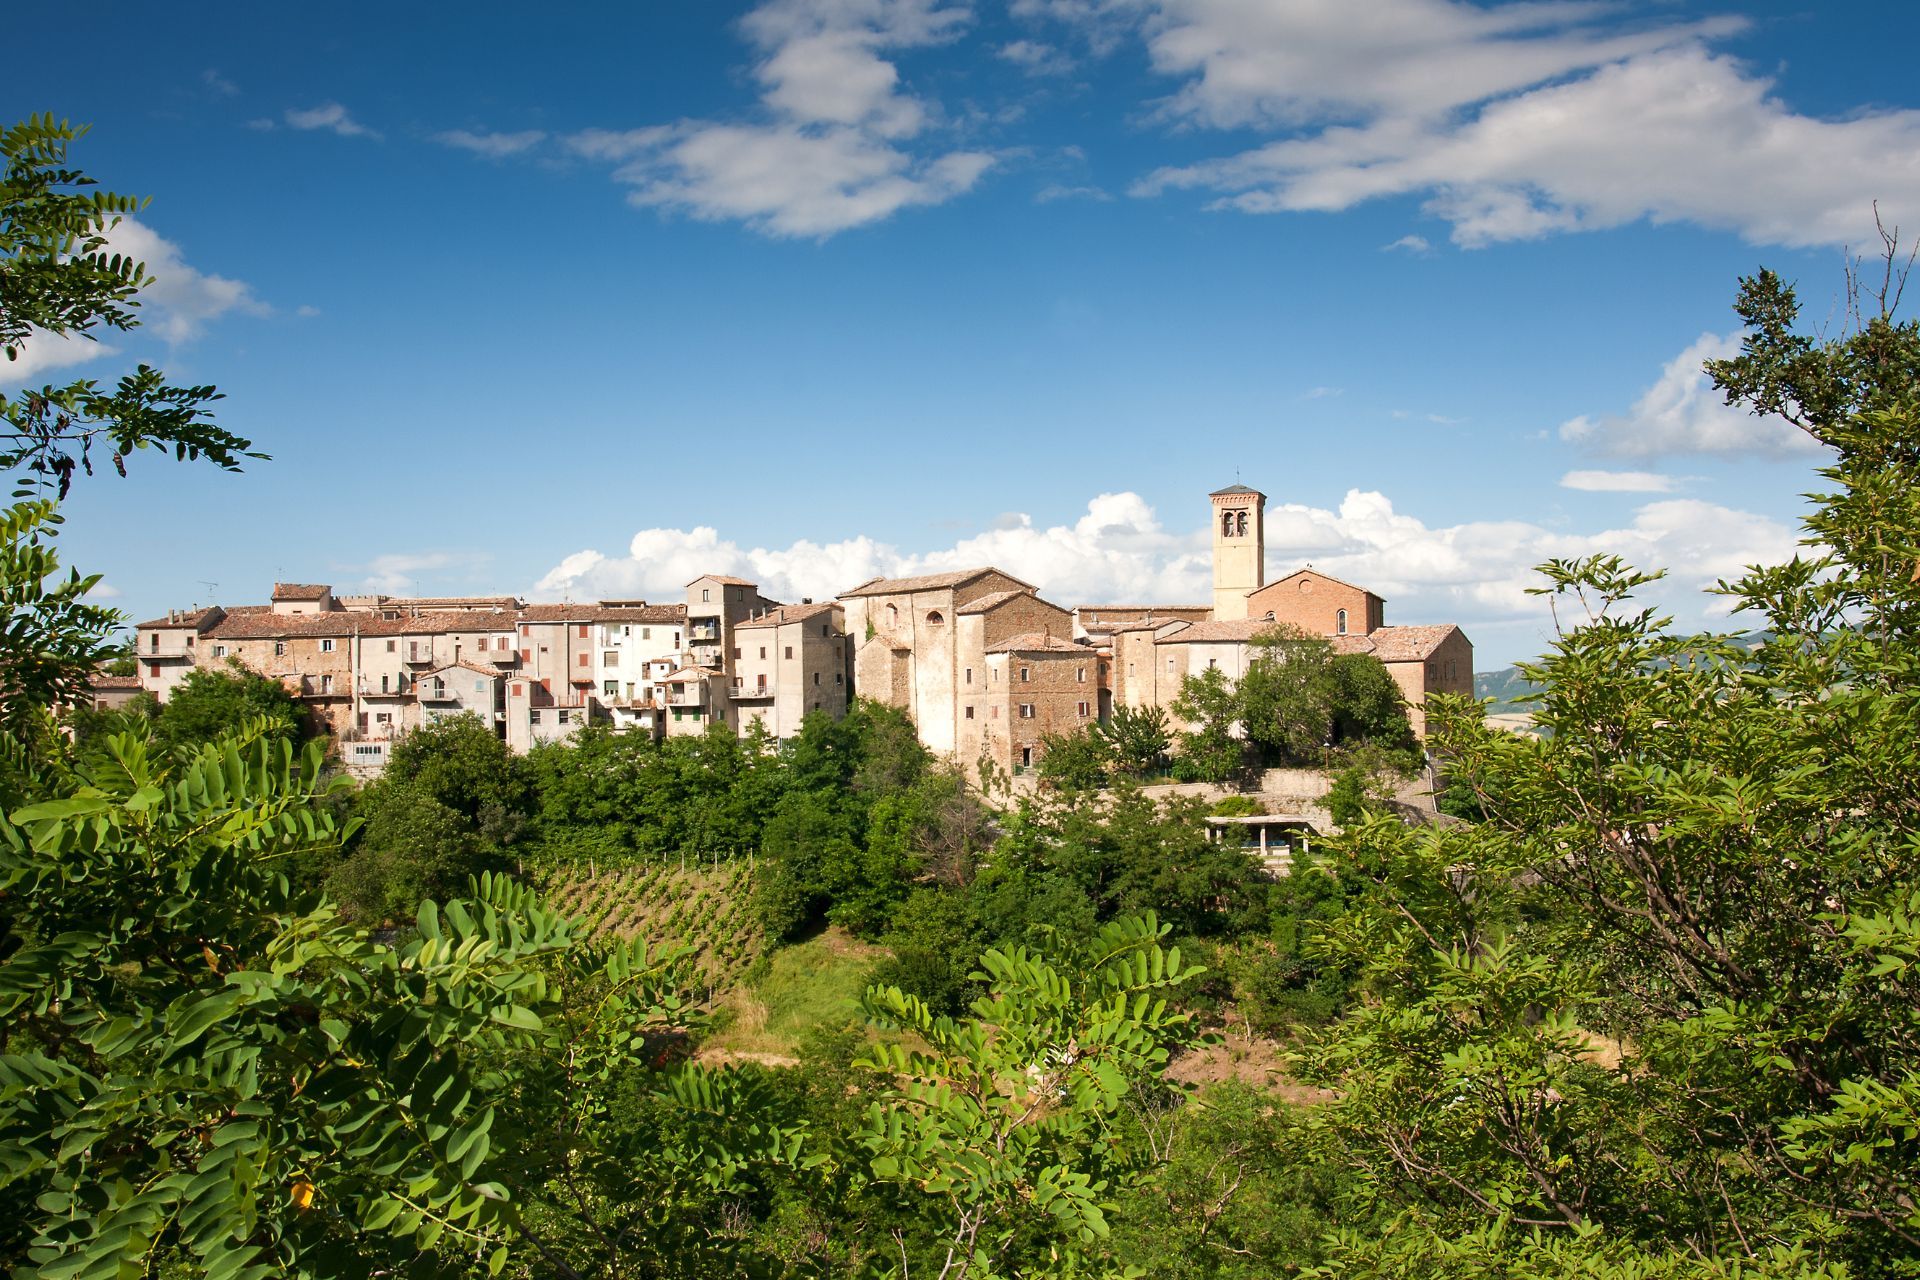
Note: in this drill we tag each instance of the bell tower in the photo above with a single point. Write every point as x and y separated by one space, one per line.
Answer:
1239 549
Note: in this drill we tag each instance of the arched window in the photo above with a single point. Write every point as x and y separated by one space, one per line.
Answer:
1226 524
893 615
1240 524
933 618
1340 622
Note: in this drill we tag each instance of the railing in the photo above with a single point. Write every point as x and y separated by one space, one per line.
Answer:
751 692
419 653
435 693
686 700
505 657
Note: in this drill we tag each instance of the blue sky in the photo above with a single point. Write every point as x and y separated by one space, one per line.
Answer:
588 302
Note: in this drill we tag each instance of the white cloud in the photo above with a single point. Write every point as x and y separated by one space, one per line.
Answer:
1617 482
1515 121
330 116
1475 572
178 304
492 145
1682 413
41 352
399 573
1059 191
833 152
218 85
104 590
1411 243
1035 58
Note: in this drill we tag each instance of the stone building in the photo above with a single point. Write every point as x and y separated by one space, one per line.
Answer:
1239 548
1031 685
789 662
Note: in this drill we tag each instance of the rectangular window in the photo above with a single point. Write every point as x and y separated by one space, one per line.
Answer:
969 675
383 683
705 595
838 677
326 646
525 656
383 717
816 677
516 691
219 651
586 659
611 658
279 648
1080 674
1026 673
993 713
789 652
153 643
392 645
326 684
763 651
526 630
1212 663
1026 711
1083 711
153 669
646 633
736 655
969 713
560 717
479 686
583 631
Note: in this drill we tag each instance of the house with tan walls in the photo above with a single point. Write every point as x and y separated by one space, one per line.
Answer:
790 662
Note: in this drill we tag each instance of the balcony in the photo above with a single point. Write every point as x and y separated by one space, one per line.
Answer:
685 698
751 692
419 653
428 691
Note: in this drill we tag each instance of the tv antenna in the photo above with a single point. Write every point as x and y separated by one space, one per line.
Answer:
210 586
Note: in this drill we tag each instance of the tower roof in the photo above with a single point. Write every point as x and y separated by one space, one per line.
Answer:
1235 489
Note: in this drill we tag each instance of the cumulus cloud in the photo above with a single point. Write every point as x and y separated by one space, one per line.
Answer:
1410 243
1617 482
494 146
1035 58
181 300
1681 413
178 304
40 352
1513 121
1475 572
332 117
836 147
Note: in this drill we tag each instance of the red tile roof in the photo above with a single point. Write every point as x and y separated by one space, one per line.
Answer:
993 600
1318 573
184 619
301 590
926 582
1399 644
1037 642
1239 629
462 663
724 580
101 683
787 613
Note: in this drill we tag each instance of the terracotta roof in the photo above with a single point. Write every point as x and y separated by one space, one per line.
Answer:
724 580
1239 629
1399 644
283 626
993 600
446 602
701 672
590 612
787 613
1318 574
1145 608
1233 489
103 682
926 582
184 619
301 590
1037 642
462 663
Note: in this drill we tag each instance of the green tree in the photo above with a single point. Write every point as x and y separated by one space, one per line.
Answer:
1368 707
1211 751
212 700
1004 1137
1075 761
1137 738
58 277
1658 1007
1287 696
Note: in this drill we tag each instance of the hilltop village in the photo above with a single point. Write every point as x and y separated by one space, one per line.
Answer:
985 666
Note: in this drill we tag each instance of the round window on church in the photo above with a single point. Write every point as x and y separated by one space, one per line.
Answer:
1306 585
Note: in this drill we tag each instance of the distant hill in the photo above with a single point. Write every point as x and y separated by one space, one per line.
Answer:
1510 690
1514 692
